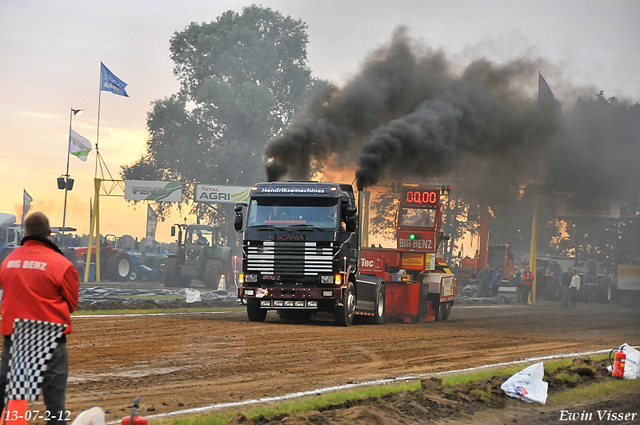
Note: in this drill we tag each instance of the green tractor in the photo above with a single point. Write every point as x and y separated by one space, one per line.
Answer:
198 257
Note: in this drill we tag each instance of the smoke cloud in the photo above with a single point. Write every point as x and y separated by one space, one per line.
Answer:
408 115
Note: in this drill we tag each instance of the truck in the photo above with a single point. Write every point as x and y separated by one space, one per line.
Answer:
198 256
302 254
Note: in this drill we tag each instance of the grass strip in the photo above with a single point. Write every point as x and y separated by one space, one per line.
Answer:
299 406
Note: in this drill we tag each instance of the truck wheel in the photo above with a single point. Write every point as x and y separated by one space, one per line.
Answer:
381 305
171 274
119 266
254 312
344 313
212 273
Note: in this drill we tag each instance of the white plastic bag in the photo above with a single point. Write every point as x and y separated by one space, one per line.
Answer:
632 363
527 385
193 295
93 416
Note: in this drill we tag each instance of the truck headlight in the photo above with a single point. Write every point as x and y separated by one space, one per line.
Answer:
251 278
249 292
326 279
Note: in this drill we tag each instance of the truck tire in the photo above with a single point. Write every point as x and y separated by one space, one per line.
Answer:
254 312
344 312
119 266
380 314
212 273
171 274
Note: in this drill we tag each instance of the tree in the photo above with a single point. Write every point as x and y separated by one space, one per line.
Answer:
242 79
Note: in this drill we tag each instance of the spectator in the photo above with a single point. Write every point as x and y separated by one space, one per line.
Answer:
48 292
574 287
517 282
496 277
484 282
527 284
565 282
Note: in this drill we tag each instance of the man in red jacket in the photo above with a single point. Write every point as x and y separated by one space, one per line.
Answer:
527 283
39 283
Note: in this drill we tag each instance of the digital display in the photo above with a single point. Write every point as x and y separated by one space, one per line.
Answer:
420 198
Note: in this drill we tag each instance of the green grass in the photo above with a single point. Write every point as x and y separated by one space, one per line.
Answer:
596 391
301 406
157 310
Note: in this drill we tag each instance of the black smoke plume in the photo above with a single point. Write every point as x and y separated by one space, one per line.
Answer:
408 115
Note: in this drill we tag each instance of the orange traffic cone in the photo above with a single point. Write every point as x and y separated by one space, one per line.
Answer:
15 412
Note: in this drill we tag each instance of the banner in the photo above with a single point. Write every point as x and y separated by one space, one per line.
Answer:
603 208
209 193
79 146
142 190
152 223
628 278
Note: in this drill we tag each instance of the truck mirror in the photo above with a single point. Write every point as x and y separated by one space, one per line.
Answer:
237 220
350 211
173 230
351 224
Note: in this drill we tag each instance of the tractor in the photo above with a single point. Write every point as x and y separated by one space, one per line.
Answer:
198 256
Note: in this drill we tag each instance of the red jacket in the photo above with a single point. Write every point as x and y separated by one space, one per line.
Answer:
527 278
38 283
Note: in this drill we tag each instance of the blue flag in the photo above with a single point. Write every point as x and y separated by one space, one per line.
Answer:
112 83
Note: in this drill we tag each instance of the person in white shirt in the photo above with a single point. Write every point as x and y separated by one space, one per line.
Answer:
574 287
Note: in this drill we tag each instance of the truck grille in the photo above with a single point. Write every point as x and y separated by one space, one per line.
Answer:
289 258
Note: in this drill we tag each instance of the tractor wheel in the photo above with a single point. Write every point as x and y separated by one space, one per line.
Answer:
134 275
254 312
119 266
171 274
381 305
212 274
344 312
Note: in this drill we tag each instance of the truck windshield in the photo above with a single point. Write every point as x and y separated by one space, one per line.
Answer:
418 217
283 212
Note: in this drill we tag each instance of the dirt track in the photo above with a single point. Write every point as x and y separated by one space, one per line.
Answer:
179 362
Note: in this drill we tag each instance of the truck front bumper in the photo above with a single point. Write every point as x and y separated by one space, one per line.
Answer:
290 298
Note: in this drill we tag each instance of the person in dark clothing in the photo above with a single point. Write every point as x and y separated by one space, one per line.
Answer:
496 278
565 282
517 283
484 282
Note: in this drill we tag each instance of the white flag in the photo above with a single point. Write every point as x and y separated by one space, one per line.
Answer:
79 146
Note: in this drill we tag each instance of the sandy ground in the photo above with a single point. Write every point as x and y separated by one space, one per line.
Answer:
185 361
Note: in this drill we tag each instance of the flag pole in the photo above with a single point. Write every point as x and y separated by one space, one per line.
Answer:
66 185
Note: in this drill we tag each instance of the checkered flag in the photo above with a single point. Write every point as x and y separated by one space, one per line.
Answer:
33 343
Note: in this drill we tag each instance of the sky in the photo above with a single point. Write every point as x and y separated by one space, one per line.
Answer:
50 54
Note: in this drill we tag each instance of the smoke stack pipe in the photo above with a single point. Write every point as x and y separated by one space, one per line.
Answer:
360 196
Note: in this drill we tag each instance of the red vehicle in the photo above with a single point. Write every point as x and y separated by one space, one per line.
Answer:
419 286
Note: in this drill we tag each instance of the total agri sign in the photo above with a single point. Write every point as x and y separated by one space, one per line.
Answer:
208 193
